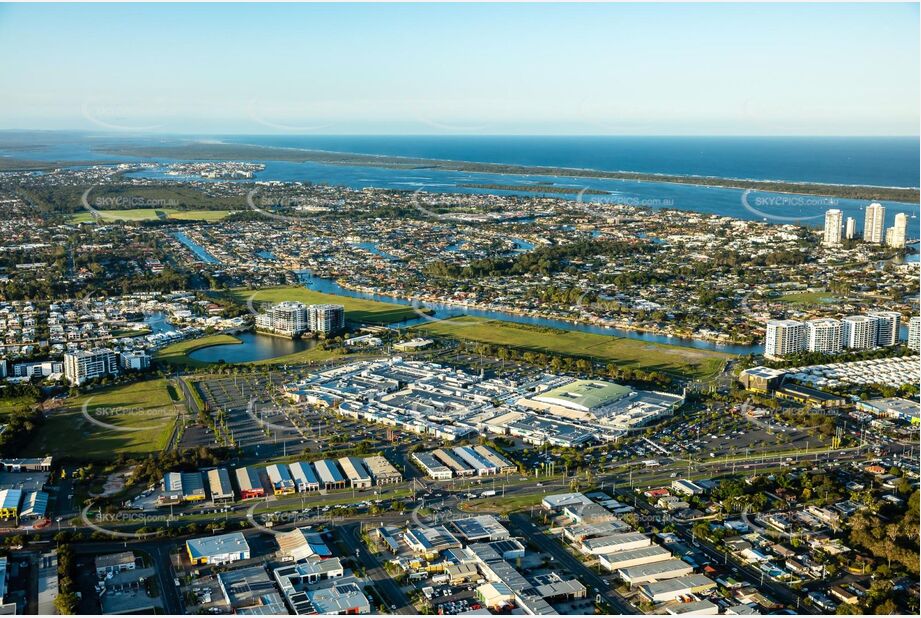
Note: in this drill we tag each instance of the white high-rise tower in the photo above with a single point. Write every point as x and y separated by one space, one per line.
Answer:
874 223
832 227
899 231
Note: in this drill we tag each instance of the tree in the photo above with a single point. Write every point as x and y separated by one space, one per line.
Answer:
66 603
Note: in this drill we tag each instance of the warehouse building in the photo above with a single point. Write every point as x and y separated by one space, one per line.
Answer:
451 460
219 484
382 471
671 589
10 499
305 479
557 502
686 487
578 533
182 487
301 543
330 477
280 478
432 467
34 505
480 528
615 542
114 563
31 464
480 464
634 557
654 571
249 591
430 541
249 483
355 472
221 549
502 464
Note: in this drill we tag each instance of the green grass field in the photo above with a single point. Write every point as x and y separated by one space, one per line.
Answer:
356 309
15 404
145 408
152 214
808 298
629 353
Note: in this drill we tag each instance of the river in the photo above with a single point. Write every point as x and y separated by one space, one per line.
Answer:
442 311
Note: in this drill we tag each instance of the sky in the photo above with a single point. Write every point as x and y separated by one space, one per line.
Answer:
613 69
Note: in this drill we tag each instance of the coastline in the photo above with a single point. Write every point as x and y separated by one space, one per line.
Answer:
224 151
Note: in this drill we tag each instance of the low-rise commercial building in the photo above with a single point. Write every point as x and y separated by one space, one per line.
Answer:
114 563
671 589
355 471
220 549
305 479
219 484
329 475
280 478
249 483
382 471
654 571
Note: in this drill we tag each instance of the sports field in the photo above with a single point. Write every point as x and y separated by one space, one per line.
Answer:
356 309
131 418
627 353
808 298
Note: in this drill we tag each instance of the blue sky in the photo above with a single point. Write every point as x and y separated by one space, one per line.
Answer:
826 69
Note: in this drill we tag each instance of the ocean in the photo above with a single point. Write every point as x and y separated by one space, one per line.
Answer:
871 161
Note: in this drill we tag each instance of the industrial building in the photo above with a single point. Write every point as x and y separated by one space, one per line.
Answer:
654 571
10 499
671 589
328 472
249 591
280 478
382 471
220 549
305 479
432 467
615 542
480 528
249 483
219 484
300 544
356 473
634 557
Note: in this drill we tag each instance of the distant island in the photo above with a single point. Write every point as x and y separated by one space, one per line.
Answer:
225 152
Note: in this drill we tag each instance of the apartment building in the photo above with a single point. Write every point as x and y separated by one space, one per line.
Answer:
82 366
858 332
784 337
832 228
873 223
887 327
823 335
914 333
